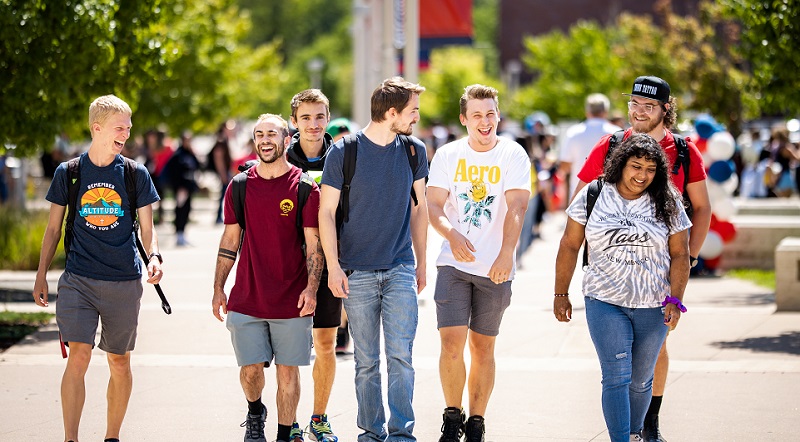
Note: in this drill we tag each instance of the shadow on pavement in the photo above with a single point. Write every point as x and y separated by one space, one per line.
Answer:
784 343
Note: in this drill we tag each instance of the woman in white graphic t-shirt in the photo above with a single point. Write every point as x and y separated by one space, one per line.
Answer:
638 239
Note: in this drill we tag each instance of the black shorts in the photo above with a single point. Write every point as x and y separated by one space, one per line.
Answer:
329 308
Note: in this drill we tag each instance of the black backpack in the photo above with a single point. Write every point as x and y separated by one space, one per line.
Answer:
239 190
349 169
74 183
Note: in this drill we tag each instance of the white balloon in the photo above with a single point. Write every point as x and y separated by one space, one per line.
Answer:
712 246
721 146
716 193
724 209
731 184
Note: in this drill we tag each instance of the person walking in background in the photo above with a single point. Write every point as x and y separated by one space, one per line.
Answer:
102 263
220 162
375 271
180 173
637 236
157 152
307 150
270 305
581 137
653 111
487 178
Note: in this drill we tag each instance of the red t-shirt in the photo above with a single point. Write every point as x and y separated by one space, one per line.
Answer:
697 172
271 271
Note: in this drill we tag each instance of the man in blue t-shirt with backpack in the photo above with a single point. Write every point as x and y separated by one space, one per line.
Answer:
102 264
375 272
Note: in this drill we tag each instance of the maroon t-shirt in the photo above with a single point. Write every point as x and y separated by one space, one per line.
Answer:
593 166
271 271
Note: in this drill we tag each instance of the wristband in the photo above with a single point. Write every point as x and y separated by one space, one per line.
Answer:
676 301
560 294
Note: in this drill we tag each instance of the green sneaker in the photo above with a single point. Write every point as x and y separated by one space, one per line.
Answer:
320 429
296 434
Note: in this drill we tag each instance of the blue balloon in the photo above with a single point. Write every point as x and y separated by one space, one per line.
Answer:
720 171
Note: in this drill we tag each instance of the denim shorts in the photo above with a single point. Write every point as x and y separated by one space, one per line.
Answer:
466 299
82 301
257 341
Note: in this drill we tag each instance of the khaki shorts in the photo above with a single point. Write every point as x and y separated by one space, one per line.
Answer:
82 301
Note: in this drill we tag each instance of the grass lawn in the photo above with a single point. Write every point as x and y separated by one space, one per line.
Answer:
763 278
15 325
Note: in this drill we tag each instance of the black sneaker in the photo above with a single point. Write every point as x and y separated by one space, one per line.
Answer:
254 427
650 432
453 425
475 429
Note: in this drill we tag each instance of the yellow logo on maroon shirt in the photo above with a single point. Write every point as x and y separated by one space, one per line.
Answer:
286 206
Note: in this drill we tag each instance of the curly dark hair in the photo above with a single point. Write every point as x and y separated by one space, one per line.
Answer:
662 192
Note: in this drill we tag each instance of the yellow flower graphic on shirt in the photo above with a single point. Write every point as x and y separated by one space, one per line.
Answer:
478 202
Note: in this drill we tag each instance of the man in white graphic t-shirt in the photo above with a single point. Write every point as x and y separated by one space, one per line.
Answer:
477 196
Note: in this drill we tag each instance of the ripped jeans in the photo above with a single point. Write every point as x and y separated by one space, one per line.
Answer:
627 341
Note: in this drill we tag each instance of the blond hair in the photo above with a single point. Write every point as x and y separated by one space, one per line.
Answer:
104 107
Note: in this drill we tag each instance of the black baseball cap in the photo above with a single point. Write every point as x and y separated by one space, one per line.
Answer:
651 87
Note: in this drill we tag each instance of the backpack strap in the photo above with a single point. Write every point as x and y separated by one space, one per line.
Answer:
413 163
304 188
73 184
238 191
348 170
130 187
682 159
591 197
616 138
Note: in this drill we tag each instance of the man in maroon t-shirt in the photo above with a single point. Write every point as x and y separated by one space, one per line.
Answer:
270 305
652 110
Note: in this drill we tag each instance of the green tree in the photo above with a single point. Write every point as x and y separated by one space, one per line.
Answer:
769 44
568 67
451 69
55 55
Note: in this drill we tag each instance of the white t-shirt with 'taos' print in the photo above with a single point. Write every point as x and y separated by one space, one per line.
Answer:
476 205
629 256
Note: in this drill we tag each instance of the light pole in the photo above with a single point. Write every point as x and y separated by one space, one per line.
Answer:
315 66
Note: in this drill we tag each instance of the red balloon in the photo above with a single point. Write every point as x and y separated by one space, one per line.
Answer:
714 221
726 230
712 264
702 144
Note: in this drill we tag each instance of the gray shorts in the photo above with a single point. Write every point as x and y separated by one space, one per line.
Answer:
257 341
82 301
474 301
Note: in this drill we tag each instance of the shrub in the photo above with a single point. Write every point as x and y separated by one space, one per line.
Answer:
21 235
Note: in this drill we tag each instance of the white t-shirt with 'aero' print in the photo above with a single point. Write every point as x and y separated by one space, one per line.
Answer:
476 205
629 257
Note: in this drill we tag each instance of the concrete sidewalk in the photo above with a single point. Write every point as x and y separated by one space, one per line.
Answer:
735 372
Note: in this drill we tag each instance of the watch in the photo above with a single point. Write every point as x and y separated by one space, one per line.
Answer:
156 255
693 261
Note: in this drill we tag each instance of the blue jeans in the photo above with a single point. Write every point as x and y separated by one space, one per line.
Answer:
388 298
627 341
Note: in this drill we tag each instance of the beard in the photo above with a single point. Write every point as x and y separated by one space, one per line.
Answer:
276 153
645 127
398 130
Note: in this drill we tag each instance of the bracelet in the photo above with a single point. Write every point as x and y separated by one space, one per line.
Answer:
676 301
560 294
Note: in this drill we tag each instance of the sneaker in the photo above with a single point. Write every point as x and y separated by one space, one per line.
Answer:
635 437
319 429
254 427
296 434
650 433
452 425
475 429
